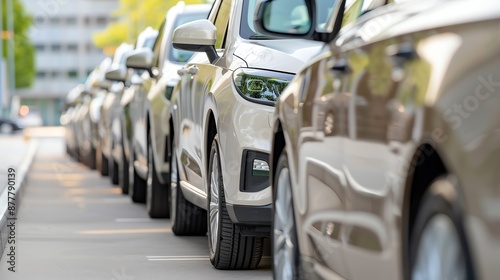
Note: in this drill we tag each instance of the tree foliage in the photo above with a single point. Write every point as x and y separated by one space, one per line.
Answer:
131 18
24 51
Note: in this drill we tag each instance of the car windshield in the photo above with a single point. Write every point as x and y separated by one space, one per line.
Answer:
247 29
182 55
150 42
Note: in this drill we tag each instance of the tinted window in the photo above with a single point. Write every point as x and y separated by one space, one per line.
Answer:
296 8
221 23
157 45
355 8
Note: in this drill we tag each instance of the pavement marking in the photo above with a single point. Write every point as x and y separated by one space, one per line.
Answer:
178 258
115 200
126 231
133 220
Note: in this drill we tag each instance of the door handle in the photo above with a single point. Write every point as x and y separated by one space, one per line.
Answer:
181 72
340 65
401 52
192 70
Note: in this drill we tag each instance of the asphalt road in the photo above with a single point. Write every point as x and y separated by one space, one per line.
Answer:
73 224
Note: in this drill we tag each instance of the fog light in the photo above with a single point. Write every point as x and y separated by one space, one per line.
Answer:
255 171
260 168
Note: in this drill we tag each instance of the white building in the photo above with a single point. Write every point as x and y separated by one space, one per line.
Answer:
62 34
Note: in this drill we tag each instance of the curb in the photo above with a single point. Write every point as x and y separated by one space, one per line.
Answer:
21 177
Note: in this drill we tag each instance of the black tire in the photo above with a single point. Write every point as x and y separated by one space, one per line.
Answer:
438 203
124 176
232 250
137 185
157 193
104 165
92 158
186 218
297 272
114 169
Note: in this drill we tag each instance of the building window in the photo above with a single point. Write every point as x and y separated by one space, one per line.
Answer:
41 74
55 48
88 48
101 21
71 21
72 47
72 74
54 20
40 47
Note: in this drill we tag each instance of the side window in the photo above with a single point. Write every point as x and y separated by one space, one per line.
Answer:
352 11
157 46
222 22
356 8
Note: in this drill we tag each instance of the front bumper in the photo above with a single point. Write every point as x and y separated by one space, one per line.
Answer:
252 220
250 215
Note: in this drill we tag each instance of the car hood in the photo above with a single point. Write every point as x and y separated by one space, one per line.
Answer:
286 55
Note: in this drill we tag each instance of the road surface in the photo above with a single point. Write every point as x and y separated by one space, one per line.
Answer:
73 224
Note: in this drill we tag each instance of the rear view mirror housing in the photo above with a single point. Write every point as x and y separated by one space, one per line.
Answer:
197 36
117 74
140 59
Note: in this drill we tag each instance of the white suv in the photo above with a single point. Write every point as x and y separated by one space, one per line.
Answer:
221 126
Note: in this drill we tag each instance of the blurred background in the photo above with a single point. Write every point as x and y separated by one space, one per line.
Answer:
49 46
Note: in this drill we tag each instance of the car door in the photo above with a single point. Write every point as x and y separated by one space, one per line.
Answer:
198 77
380 117
343 201
321 122
142 106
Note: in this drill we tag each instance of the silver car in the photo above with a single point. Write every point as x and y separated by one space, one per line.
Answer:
221 126
150 110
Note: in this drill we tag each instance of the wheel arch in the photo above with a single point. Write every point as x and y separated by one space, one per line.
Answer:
277 146
426 165
211 131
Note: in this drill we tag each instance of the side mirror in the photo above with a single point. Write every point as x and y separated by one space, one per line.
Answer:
197 36
116 73
141 59
101 83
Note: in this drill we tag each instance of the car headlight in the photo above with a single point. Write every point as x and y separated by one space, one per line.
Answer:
259 85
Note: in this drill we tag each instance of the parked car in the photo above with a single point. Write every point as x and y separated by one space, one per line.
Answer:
82 130
72 102
109 111
9 126
384 146
128 105
221 129
150 110
99 87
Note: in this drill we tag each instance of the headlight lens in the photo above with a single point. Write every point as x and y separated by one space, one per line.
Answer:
259 85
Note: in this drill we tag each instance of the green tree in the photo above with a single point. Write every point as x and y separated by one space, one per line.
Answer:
131 18
24 51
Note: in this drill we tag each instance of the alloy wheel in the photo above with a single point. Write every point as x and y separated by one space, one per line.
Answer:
149 182
173 186
284 238
439 254
214 218
6 128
